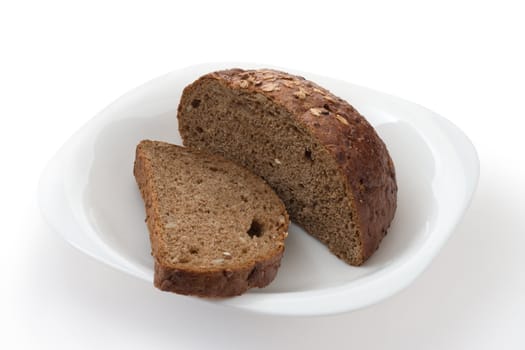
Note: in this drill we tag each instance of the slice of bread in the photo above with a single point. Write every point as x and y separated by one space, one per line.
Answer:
322 158
216 229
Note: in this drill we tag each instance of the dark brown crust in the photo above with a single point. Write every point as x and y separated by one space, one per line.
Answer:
223 283
214 282
361 155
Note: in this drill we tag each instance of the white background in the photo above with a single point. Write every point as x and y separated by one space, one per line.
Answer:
61 62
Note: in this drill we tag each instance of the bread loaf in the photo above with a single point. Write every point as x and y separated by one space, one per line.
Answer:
323 159
216 229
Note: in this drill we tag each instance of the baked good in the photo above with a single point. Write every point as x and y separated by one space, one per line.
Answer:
323 159
216 229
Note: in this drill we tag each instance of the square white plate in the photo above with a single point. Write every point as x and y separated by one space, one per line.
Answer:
89 195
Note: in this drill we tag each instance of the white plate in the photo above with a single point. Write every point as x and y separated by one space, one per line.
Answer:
88 194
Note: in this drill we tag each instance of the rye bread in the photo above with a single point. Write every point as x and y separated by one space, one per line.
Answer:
216 229
323 159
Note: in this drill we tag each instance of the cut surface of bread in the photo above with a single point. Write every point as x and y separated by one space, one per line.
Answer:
216 229
323 159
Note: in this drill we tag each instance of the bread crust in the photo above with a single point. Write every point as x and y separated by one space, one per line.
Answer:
211 282
362 158
218 283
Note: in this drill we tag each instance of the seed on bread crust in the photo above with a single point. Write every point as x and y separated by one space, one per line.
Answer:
341 119
269 87
243 84
318 111
301 94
